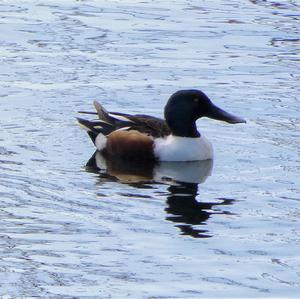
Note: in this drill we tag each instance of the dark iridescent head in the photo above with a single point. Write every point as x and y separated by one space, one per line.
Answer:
186 106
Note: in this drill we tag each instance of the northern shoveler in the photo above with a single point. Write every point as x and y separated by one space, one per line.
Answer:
144 137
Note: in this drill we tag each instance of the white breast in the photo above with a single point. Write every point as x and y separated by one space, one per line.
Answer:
174 148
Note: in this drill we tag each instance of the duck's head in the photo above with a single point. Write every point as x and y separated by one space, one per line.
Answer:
184 107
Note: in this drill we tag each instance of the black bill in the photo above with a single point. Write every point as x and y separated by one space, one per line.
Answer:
219 114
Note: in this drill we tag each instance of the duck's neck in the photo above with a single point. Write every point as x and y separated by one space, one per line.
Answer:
183 128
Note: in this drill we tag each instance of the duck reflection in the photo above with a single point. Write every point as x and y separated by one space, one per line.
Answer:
137 172
184 209
183 179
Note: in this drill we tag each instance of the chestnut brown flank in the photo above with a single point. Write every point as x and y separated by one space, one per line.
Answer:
130 145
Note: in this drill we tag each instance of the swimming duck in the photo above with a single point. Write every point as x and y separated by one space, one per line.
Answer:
144 137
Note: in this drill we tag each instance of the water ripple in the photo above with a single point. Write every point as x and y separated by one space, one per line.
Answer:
71 231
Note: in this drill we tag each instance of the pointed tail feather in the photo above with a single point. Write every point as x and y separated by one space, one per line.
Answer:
103 113
86 124
107 123
87 112
96 126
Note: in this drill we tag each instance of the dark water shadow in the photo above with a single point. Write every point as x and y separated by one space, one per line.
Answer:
183 181
188 213
282 5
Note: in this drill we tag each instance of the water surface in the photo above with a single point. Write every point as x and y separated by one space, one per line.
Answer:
69 230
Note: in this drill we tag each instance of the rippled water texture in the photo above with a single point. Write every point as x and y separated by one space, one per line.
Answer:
68 229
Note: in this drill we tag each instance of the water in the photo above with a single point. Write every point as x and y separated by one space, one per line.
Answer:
70 231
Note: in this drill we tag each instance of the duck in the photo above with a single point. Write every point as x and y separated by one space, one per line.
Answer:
142 137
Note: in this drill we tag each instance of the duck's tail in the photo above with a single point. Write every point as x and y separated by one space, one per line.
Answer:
106 124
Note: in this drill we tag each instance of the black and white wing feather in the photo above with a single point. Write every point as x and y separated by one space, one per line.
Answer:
109 122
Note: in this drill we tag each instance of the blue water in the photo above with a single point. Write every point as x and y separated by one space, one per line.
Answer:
68 230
